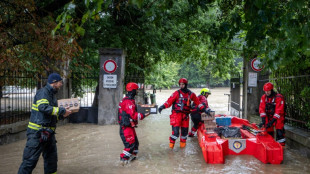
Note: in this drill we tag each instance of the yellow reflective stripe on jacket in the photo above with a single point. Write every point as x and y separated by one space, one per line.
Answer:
42 101
31 127
55 111
34 126
37 126
35 107
54 173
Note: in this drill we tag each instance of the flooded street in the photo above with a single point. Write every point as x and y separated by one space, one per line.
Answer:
94 149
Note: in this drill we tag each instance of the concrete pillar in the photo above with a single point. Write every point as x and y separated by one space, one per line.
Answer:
111 82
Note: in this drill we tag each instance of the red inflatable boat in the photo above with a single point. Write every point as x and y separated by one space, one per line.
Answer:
252 141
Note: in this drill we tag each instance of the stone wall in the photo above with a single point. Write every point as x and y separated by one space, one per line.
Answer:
17 131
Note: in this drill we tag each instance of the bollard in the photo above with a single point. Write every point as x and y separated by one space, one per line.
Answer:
146 98
153 98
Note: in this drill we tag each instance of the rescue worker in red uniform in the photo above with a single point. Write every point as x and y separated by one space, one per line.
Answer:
128 119
272 112
181 105
196 114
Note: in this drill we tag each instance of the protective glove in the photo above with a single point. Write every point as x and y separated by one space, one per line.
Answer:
45 135
269 124
207 111
262 123
161 108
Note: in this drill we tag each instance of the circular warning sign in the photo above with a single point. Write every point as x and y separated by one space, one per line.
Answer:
255 64
109 66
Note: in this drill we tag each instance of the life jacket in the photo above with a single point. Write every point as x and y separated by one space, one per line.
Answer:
183 103
271 105
195 109
124 119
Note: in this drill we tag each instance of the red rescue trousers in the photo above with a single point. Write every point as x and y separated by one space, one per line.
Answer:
130 141
177 120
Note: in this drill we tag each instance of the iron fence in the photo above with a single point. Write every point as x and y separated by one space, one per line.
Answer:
85 86
17 90
295 90
137 78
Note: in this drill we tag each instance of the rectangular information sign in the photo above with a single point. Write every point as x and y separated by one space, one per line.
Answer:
252 79
109 81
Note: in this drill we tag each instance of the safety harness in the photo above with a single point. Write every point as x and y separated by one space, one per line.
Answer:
182 104
271 106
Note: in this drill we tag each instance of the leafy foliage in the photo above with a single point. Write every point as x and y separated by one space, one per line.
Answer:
151 32
163 75
26 40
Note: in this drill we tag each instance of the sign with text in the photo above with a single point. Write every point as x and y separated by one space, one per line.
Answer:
109 81
252 79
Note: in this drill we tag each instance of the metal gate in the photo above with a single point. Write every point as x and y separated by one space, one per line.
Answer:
235 96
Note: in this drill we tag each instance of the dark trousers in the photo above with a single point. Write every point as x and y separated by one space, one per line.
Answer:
33 151
196 118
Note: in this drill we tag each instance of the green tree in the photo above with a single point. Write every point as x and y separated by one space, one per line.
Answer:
26 40
163 75
147 30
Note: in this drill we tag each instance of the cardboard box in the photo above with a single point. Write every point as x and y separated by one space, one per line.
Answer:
152 109
72 103
205 116
210 125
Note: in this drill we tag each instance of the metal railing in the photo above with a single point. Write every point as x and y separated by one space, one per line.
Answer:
84 86
296 91
17 90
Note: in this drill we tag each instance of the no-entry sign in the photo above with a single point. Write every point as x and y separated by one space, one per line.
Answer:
109 66
255 64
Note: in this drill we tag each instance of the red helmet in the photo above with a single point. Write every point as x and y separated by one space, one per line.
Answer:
268 86
183 80
131 86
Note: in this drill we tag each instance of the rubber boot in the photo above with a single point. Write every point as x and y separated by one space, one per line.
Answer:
124 161
132 158
171 145
182 144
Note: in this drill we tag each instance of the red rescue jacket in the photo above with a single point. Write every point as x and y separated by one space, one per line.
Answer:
272 106
203 100
181 102
127 113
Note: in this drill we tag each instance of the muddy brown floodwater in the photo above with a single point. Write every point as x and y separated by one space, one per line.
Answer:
94 149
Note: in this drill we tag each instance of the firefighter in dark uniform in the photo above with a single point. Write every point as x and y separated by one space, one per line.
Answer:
180 101
272 112
128 119
41 128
